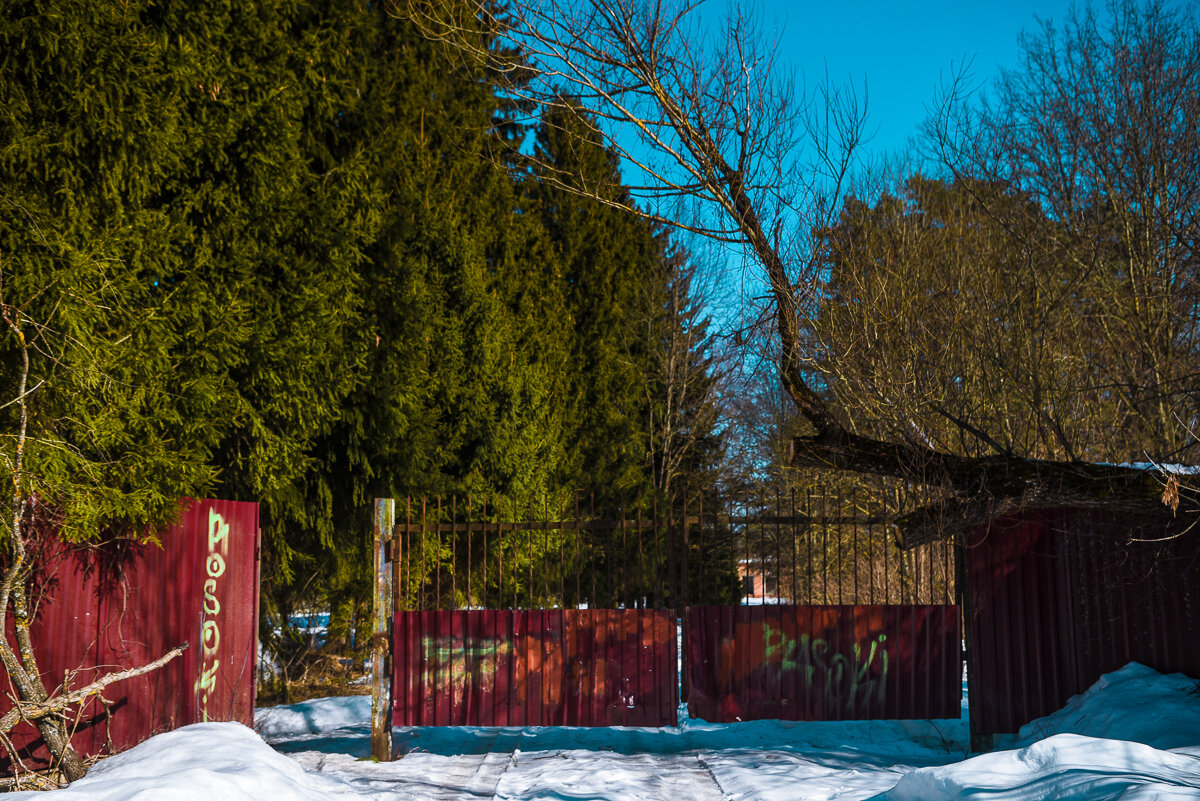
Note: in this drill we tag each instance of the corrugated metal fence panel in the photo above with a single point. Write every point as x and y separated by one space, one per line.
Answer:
823 662
541 667
1020 640
1134 595
207 579
119 607
1060 597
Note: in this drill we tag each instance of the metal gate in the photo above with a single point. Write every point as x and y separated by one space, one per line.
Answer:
789 662
494 612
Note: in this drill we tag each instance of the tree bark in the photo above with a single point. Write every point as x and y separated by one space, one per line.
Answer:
978 489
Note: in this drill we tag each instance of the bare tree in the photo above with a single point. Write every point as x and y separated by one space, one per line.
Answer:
946 326
1098 127
731 150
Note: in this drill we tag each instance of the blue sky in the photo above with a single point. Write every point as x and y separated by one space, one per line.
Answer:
902 50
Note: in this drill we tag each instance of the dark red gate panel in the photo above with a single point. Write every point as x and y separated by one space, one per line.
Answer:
106 609
823 662
540 667
1060 597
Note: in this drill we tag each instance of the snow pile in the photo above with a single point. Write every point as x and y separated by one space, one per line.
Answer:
1107 743
312 717
1062 766
201 762
1134 703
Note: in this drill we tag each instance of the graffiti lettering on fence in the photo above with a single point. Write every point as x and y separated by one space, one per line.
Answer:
543 667
210 630
823 662
455 663
842 678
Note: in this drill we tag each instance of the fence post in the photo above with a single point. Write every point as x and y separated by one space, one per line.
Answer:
381 640
683 601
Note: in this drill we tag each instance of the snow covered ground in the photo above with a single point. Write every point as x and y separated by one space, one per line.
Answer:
1135 735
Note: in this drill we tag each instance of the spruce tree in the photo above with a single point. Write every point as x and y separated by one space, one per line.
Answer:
606 258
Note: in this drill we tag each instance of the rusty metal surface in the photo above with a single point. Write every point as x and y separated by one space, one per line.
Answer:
500 552
550 667
381 641
823 662
120 607
1059 598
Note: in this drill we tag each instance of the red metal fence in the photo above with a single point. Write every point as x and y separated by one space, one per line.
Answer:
548 667
823 662
1058 598
101 610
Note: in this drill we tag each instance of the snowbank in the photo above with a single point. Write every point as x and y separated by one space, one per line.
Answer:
1107 743
312 717
1062 766
1134 703
205 761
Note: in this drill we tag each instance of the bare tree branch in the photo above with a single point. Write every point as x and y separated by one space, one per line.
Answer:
59 703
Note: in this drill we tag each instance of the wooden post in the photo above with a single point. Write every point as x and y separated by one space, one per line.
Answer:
381 640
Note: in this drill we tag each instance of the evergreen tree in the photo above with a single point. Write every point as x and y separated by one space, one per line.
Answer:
459 354
607 258
643 413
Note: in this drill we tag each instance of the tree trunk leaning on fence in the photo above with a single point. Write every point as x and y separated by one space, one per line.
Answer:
716 133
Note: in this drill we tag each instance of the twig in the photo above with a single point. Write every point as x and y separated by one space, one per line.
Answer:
61 702
27 781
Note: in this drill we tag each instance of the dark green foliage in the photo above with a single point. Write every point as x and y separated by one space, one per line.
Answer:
161 160
457 388
606 258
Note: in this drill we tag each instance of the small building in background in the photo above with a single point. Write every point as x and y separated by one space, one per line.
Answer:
753 580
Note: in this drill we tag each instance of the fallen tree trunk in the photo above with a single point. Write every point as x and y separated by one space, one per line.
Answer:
976 490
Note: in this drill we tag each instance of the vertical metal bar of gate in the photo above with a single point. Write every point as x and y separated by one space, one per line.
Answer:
682 615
